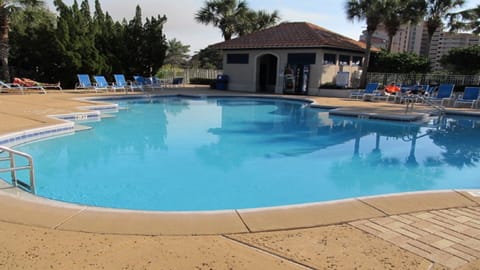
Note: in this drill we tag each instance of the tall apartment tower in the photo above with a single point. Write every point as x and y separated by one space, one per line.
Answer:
443 42
414 38
407 39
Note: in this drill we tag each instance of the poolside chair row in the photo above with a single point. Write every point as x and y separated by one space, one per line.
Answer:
442 94
139 83
101 83
153 82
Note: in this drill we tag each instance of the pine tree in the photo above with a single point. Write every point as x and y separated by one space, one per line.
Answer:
155 45
76 37
146 44
7 7
33 52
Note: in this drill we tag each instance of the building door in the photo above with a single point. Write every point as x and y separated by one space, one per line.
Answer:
266 77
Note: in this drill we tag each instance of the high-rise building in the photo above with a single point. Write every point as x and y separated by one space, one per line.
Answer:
414 38
445 41
407 39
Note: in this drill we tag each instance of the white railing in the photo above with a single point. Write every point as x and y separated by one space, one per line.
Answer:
414 78
190 73
13 168
201 73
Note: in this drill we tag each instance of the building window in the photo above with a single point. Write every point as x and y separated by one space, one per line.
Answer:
329 59
357 60
237 58
302 58
344 60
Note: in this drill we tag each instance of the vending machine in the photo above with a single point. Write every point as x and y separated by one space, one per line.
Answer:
288 80
302 76
296 79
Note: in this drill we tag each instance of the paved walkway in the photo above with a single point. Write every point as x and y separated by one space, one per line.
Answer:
450 237
409 231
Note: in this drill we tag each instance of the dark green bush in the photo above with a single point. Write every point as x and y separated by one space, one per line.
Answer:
202 81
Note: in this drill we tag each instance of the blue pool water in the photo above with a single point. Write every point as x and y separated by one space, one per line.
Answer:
231 153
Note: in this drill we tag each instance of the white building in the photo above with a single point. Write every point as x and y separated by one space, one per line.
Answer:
294 57
414 38
407 39
445 41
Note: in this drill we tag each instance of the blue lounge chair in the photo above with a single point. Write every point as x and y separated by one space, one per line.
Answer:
101 83
177 82
84 83
400 94
470 96
414 93
151 83
154 82
430 90
122 83
140 81
370 89
444 94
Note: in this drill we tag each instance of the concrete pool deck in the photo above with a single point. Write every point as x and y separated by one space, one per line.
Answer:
432 230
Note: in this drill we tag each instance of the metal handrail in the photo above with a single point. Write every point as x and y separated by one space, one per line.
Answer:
410 103
439 108
13 168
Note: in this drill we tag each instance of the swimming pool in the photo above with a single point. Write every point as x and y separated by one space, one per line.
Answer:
178 154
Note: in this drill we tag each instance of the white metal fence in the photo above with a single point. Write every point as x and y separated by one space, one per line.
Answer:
406 78
201 73
188 74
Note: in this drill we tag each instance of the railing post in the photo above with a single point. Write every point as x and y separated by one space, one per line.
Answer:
14 172
32 176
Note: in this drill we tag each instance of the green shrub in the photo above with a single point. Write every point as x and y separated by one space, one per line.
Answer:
202 81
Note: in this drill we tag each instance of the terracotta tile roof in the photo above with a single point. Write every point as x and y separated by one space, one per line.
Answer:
292 35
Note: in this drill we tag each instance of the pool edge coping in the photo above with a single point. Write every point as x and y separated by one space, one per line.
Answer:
42 212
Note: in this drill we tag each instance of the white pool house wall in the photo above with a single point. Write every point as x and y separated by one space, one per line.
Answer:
244 77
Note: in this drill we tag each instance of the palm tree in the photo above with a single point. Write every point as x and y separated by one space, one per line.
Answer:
372 11
437 10
177 53
224 14
257 20
6 8
466 20
401 12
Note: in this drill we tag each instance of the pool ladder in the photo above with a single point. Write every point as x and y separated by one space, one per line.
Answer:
437 109
13 168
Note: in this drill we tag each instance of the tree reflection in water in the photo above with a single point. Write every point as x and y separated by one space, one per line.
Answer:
374 170
460 139
306 132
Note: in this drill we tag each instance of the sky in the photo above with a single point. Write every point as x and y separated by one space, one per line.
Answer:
329 14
